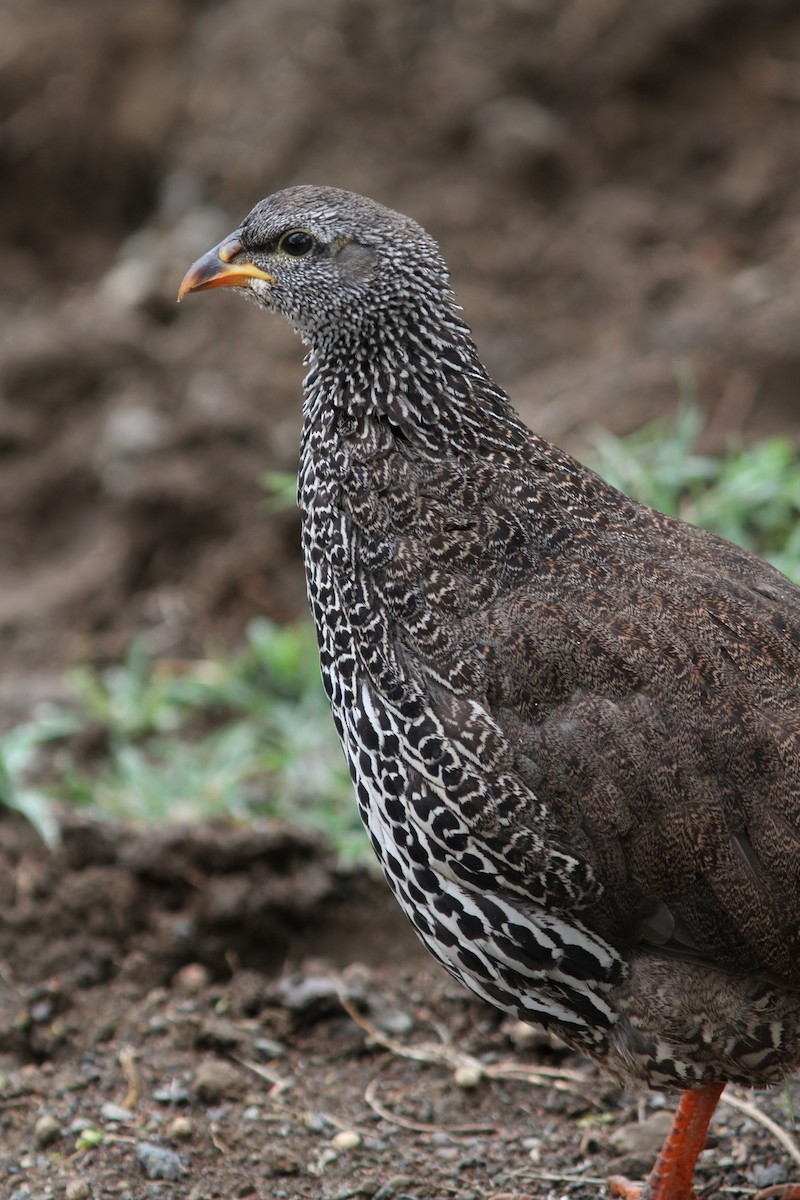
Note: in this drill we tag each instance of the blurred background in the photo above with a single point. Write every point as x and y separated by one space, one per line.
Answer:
616 186
615 183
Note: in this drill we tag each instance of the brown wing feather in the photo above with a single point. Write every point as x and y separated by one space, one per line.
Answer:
646 674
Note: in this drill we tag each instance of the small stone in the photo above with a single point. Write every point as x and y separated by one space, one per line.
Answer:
523 1035
217 1080
467 1077
269 1048
638 1145
323 1160
396 1184
317 1122
42 1010
159 1163
642 1137
191 979
308 994
280 1162
219 1034
219 1113
389 1018
447 1153
79 1189
46 1130
180 1129
172 1093
766 1177
115 1112
346 1139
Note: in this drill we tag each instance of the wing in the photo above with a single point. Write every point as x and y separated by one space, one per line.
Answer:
642 676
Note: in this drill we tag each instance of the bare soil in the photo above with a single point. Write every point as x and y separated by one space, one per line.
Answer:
201 1012
616 186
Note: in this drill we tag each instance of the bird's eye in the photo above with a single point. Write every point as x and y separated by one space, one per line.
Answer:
297 243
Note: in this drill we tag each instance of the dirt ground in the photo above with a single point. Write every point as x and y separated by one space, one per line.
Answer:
203 1012
617 188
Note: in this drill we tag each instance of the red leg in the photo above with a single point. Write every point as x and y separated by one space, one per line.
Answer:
671 1177
780 1191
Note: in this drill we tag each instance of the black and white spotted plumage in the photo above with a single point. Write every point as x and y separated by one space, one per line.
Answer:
572 723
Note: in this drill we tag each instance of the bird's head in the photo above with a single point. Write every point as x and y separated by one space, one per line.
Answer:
335 264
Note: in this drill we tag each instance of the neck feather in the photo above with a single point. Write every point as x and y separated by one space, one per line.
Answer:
422 375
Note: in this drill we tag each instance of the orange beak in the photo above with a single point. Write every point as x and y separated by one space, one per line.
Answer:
217 269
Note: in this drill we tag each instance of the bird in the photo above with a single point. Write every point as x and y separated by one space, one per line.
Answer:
572 722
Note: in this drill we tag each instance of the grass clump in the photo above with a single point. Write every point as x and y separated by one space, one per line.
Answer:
152 740
749 495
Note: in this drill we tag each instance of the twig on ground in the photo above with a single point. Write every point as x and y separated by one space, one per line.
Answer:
417 1126
751 1110
459 1061
127 1060
278 1083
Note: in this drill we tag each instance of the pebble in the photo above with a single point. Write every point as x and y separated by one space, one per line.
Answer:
172 1093
766 1177
115 1112
280 1162
180 1129
78 1124
42 1011
46 1130
638 1145
447 1153
219 1113
346 1139
523 1035
192 978
642 1137
216 1080
159 1163
467 1077
317 1122
397 1022
323 1160
392 1186
79 1189
306 993
269 1048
